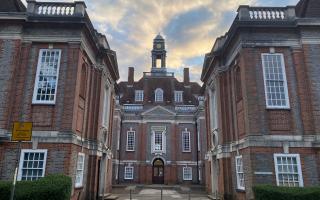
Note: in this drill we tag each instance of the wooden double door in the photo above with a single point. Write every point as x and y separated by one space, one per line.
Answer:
158 171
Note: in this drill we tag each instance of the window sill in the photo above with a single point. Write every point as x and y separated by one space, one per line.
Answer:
241 190
186 151
78 187
278 108
44 103
130 150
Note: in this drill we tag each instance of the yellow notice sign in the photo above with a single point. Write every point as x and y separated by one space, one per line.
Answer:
22 131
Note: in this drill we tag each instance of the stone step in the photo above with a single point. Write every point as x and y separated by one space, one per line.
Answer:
111 197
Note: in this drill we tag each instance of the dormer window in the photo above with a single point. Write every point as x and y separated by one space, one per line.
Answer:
158 95
178 97
138 95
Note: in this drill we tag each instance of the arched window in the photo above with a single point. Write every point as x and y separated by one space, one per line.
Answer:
158 95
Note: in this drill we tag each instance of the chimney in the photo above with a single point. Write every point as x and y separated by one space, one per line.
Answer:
186 77
130 76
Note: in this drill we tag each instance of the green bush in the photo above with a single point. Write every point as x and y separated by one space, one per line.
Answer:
52 187
267 192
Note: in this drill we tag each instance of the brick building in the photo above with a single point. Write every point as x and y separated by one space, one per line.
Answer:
158 127
58 72
263 99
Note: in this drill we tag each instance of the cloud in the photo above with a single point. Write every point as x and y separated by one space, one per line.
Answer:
190 28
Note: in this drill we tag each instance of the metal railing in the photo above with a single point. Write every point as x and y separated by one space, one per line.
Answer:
185 108
132 107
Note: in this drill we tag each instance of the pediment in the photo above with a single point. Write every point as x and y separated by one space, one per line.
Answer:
159 111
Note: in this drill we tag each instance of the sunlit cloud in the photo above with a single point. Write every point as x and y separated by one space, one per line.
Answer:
190 28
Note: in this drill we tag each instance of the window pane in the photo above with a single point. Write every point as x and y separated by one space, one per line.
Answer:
275 85
47 75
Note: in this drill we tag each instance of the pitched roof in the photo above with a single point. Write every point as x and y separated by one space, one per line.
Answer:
12 6
308 9
167 84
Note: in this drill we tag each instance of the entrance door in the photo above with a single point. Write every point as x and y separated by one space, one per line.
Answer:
158 171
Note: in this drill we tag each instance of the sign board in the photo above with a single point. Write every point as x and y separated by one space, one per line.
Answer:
22 131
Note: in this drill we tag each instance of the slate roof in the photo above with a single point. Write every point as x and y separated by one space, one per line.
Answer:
167 84
12 6
308 8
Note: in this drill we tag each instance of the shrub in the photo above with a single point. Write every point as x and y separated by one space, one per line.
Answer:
52 187
267 192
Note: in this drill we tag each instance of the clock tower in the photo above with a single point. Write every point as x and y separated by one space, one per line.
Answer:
158 55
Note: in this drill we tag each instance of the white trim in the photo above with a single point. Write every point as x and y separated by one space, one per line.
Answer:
285 84
106 107
178 96
80 169
239 186
156 107
138 95
23 151
184 173
36 83
126 177
183 141
134 140
297 157
158 95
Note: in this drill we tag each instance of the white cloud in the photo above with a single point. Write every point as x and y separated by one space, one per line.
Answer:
131 25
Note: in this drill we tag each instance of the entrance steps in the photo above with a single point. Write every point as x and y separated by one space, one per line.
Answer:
194 189
108 196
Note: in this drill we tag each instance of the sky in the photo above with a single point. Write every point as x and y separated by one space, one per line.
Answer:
189 27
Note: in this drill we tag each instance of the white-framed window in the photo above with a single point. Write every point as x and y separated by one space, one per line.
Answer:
288 170
131 139
128 172
186 144
158 95
46 82
105 112
158 139
275 81
240 173
187 173
32 164
178 96
80 170
138 96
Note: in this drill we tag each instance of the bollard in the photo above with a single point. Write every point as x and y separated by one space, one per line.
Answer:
161 193
189 196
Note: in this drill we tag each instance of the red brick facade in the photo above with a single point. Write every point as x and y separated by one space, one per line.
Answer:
236 97
74 122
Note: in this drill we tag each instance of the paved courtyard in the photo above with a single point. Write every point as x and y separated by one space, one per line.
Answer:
155 194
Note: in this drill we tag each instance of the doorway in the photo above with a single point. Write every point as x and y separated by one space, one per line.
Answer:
158 171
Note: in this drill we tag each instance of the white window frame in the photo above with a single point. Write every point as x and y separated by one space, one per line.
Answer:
138 95
239 172
158 95
106 107
23 151
178 96
285 84
297 157
184 149
158 129
133 142
80 169
126 176
185 174
36 84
